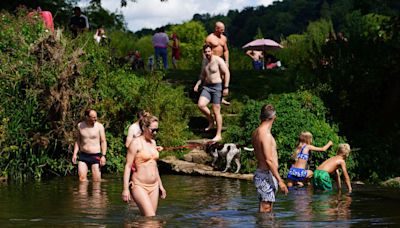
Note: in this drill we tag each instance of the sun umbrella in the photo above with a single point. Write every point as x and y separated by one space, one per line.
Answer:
262 45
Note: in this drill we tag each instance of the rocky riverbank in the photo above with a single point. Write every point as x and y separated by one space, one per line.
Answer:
195 163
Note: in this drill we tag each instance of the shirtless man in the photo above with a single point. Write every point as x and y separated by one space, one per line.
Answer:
90 140
256 56
266 178
215 79
219 45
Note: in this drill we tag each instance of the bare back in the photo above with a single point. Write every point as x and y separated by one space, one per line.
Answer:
331 164
89 137
262 139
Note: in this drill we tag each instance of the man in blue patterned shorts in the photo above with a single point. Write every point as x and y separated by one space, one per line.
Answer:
266 177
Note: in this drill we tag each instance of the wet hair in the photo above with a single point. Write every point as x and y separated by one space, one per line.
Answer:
205 46
142 113
267 112
344 149
146 121
87 112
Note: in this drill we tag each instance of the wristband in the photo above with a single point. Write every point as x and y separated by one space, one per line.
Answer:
226 87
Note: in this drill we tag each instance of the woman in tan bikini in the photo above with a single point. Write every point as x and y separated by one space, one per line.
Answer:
146 182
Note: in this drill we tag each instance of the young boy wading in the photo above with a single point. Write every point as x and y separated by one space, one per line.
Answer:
266 177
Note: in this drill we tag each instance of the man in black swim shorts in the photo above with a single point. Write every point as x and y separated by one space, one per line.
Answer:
92 144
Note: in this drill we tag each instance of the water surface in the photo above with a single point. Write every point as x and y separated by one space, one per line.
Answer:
191 202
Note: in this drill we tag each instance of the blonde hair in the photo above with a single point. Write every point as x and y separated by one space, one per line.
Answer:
344 149
304 137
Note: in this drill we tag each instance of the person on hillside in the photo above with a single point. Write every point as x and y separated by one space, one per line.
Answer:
146 182
92 144
257 57
219 45
46 16
298 172
134 130
266 177
78 23
322 179
100 36
176 55
271 62
214 78
160 44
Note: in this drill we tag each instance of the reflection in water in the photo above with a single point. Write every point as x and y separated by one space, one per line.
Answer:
91 202
303 203
150 222
267 220
338 206
333 207
191 202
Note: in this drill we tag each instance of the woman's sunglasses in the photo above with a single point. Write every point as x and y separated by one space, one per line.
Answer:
153 130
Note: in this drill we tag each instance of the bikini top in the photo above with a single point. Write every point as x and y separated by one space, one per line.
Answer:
146 155
302 155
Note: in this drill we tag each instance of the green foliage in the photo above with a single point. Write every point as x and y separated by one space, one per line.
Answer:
46 82
296 112
191 35
170 106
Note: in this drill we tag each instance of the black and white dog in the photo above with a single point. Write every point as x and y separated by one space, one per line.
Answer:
230 151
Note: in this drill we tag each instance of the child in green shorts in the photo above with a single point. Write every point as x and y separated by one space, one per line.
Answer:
322 179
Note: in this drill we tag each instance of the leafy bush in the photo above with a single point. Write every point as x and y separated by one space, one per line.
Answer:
46 83
296 112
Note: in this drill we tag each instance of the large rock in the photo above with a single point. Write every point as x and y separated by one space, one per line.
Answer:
394 183
198 156
179 166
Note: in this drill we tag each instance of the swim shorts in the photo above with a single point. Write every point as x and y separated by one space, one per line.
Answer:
213 92
266 185
322 180
297 174
90 159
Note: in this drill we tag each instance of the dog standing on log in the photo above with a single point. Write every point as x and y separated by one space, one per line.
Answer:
230 151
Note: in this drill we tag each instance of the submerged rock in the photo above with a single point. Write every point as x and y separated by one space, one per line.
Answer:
393 183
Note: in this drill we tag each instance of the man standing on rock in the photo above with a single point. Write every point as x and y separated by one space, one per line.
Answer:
266 178
215 80
92 144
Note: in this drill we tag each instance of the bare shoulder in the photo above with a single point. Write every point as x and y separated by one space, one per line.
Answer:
341 161
99 125
209 38
219 59
223 37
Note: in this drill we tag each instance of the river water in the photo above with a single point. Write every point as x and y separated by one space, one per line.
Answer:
192 201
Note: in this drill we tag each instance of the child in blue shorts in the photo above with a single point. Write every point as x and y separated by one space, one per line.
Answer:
298 172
